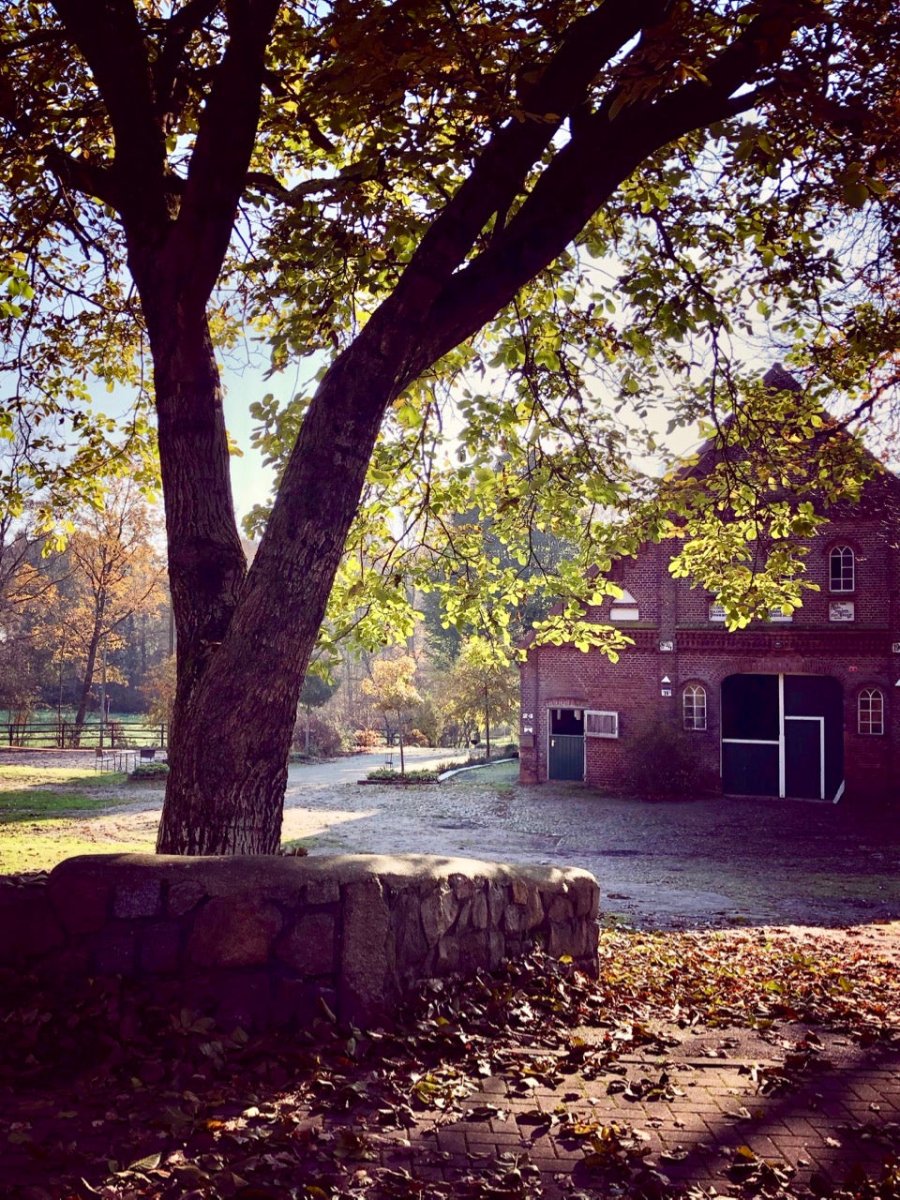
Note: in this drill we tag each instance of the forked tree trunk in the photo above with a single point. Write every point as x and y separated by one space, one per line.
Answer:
235 714
244 643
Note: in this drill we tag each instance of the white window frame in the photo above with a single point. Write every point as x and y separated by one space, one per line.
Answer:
624 612
716 611
842 552
869 705
695 692
612 720
624 608
779 615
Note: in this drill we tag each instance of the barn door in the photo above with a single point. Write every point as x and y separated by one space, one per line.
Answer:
565 752
813 737
751 735
782 735
804 757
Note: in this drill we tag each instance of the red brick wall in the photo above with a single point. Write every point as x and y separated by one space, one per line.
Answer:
857 654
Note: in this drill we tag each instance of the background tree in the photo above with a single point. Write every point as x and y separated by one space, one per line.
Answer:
114 572
159 690
405 176
315 692
483 688
393 691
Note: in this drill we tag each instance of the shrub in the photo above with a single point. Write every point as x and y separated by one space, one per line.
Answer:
664 763
324 739
412 776
427 718
416 737
365 739
150 770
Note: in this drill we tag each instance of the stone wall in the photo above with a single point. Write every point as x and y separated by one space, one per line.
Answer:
259 941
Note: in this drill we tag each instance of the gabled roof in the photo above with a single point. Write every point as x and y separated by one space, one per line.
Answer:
780 380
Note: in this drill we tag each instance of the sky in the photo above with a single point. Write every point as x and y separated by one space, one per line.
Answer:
251 480
244 381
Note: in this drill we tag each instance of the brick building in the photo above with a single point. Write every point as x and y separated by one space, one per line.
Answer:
806 706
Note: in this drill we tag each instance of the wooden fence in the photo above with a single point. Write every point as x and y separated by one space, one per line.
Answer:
65 735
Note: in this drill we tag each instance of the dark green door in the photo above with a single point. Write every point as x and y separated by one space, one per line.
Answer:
751 737
566 757
804 757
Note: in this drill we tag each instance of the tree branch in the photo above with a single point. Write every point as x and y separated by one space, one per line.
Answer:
586 172
83 176
40 37
180 28
224 145
108 34
358 172
276 86
500 172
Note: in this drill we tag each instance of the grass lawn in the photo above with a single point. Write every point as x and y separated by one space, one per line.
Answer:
47 814
501 776
12 778
35 802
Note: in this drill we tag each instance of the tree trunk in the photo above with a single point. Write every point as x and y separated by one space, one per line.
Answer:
400 740
207 564
235 712
88 681
308 710
487 727
244 644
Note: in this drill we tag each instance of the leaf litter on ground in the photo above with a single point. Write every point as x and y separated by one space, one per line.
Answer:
104 1095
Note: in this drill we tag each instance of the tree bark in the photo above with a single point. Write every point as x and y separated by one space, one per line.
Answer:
87 682
207 564
226 783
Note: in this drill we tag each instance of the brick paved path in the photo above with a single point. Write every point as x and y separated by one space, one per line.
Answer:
840 1115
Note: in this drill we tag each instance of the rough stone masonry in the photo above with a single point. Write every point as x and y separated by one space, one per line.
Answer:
268 940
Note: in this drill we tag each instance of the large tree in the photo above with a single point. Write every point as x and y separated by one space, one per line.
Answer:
112 572
482 688
379 181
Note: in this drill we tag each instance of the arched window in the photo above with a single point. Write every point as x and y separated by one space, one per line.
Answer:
870 711
624 608
693 700
842 569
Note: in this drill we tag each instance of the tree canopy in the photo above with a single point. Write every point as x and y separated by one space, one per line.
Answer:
492 231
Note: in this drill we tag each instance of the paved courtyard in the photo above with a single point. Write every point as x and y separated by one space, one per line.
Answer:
643 1105
694 1119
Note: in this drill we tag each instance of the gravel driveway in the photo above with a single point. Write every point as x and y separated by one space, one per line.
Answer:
660 865
667 865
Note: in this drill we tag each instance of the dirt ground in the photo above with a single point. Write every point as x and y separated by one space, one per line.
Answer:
675 865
